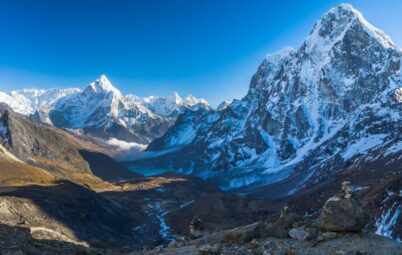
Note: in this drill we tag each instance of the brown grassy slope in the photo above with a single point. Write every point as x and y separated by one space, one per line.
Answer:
57 152
14 173
81 143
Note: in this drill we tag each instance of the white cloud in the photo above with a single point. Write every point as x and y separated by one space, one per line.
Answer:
125 146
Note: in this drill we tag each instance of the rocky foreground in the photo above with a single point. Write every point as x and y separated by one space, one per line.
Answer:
340 228
342 244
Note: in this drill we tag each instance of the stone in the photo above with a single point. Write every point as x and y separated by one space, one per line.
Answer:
158 248
338 253
197 228
344 213
172 244
329 235
280 227
299 234
244 234
346 189
209 250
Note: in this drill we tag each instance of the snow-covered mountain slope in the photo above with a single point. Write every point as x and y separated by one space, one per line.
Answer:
173 105
44 98
308 113
17 102
102 111
27 101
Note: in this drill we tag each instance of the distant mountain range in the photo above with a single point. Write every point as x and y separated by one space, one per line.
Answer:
100 110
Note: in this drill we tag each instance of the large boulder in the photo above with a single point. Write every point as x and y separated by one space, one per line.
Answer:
197 228
300 234
344 213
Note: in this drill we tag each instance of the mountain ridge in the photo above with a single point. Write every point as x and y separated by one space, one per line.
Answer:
102 111
305 108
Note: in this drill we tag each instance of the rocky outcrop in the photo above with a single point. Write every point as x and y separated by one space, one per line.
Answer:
56 151
297 235
31 142
341 244
280 227
344 212
68 212
17 240
197 228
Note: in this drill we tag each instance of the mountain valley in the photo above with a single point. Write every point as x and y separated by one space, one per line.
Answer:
309 161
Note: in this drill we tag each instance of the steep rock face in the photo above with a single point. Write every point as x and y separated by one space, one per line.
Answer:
29 141
55 150
224 105
307 114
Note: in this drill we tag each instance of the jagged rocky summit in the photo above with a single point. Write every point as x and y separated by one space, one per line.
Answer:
333 103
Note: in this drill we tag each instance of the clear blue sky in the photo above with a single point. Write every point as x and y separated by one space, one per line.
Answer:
209 48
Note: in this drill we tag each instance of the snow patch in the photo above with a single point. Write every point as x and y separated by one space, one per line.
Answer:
184 137
359 188
394 149
364 144
386 224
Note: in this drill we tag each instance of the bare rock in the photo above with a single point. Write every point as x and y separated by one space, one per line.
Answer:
243 234
209 250
343 214
197 228
329 235
299 234
281 226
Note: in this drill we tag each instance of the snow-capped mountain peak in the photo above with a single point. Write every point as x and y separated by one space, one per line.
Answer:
42 98
174 104
191 101
175 97
379 34
102 85
332 99
336 24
